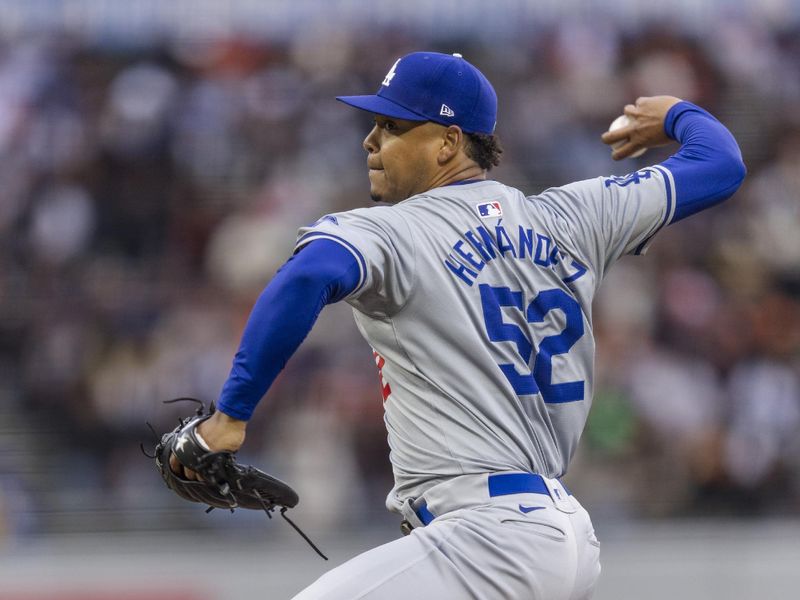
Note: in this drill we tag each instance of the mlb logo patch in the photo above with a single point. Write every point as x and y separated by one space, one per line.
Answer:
487 210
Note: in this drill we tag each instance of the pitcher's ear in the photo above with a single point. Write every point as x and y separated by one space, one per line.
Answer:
452 141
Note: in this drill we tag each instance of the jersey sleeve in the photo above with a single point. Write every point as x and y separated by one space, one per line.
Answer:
610 216
383 246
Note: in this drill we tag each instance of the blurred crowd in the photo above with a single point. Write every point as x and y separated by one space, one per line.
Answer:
147 194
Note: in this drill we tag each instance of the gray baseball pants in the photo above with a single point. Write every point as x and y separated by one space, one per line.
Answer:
502 536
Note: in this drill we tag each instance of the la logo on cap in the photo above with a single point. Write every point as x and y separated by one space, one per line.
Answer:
390 75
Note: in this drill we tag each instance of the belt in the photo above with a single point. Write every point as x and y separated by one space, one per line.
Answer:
499 484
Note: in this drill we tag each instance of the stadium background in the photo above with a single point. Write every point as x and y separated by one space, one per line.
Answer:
157 159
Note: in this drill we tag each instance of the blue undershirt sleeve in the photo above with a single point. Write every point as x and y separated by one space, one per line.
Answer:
321 273
708 168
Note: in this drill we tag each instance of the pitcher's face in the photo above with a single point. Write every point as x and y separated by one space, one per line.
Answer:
402 157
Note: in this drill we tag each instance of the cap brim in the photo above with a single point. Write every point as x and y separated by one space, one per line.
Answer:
381 106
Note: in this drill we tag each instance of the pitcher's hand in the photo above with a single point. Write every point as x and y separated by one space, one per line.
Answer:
219 432
646 129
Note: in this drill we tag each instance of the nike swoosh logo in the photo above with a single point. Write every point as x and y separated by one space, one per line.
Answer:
527 509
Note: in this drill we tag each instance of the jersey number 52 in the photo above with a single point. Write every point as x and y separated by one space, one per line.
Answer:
540 378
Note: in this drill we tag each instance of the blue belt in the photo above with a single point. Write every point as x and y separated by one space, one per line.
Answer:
501 484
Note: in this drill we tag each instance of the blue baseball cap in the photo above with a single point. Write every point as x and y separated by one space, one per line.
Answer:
429 86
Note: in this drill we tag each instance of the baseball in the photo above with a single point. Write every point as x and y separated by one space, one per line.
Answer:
622 121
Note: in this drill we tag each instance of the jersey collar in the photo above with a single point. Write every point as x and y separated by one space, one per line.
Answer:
466 181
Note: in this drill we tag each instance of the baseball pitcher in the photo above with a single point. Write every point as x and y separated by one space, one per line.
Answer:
477 302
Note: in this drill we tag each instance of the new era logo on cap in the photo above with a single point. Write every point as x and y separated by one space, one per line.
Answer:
488 210
429 86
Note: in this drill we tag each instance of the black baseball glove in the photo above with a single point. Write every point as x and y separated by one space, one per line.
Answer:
223 482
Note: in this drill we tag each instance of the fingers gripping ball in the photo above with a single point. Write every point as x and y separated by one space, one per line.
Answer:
618 123
222 481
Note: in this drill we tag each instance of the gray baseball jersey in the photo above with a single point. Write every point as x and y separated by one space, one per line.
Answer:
477 303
